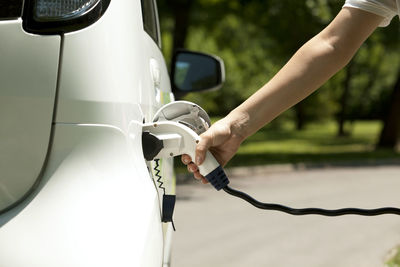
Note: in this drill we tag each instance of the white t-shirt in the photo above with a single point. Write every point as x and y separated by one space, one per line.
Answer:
384 8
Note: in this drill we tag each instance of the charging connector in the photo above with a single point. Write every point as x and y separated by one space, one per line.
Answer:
218 178
175 132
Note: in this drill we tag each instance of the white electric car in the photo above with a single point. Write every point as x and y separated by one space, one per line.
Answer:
78 78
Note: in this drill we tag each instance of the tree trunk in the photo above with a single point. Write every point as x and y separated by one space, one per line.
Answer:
181 12
343 100
365 94
390 134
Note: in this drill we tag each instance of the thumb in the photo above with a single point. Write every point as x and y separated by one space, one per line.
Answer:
201 148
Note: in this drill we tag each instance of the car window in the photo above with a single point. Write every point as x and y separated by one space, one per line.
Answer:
150 19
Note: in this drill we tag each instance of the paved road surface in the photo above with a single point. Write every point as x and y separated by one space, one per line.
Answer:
216 229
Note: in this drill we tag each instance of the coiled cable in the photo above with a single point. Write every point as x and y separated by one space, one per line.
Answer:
157 174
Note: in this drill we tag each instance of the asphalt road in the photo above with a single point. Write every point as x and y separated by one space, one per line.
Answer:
216 229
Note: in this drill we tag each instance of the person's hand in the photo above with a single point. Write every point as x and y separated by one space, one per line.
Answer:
222 141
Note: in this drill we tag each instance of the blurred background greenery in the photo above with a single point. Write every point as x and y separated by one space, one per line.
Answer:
355 116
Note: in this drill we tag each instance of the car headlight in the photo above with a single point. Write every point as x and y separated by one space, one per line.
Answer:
60 16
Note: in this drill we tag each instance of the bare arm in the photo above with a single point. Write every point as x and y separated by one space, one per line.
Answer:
311 66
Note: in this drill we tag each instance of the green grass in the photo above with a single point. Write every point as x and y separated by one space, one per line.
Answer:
395 261
317 143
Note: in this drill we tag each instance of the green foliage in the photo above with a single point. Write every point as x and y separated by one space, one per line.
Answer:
375 70
316 143
255 38
245 64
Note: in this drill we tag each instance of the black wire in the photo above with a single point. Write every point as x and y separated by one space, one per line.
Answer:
157 174
308 211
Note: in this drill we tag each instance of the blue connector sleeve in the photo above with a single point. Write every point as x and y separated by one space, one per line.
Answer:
218 178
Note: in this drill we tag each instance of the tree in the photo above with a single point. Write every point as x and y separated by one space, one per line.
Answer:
180 11
390 135
256 37
344 99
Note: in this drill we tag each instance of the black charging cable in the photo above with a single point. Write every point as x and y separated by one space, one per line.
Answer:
309 211
220 181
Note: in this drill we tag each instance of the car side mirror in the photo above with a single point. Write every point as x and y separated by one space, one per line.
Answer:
194 71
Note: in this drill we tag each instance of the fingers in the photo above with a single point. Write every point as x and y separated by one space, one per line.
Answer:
202 147
193 168
186 159
215 137
200 177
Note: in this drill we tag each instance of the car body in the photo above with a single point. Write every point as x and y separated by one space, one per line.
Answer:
75 189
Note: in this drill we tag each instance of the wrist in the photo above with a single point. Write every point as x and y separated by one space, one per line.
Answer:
238 122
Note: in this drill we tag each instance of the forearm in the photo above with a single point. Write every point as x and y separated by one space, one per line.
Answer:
311 66
307 70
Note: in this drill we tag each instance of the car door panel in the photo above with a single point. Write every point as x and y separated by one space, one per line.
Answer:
28 75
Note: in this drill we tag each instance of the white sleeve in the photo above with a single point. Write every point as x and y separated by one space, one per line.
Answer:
384 8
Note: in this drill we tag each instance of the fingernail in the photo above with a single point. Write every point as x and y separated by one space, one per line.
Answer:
185 160
198 160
